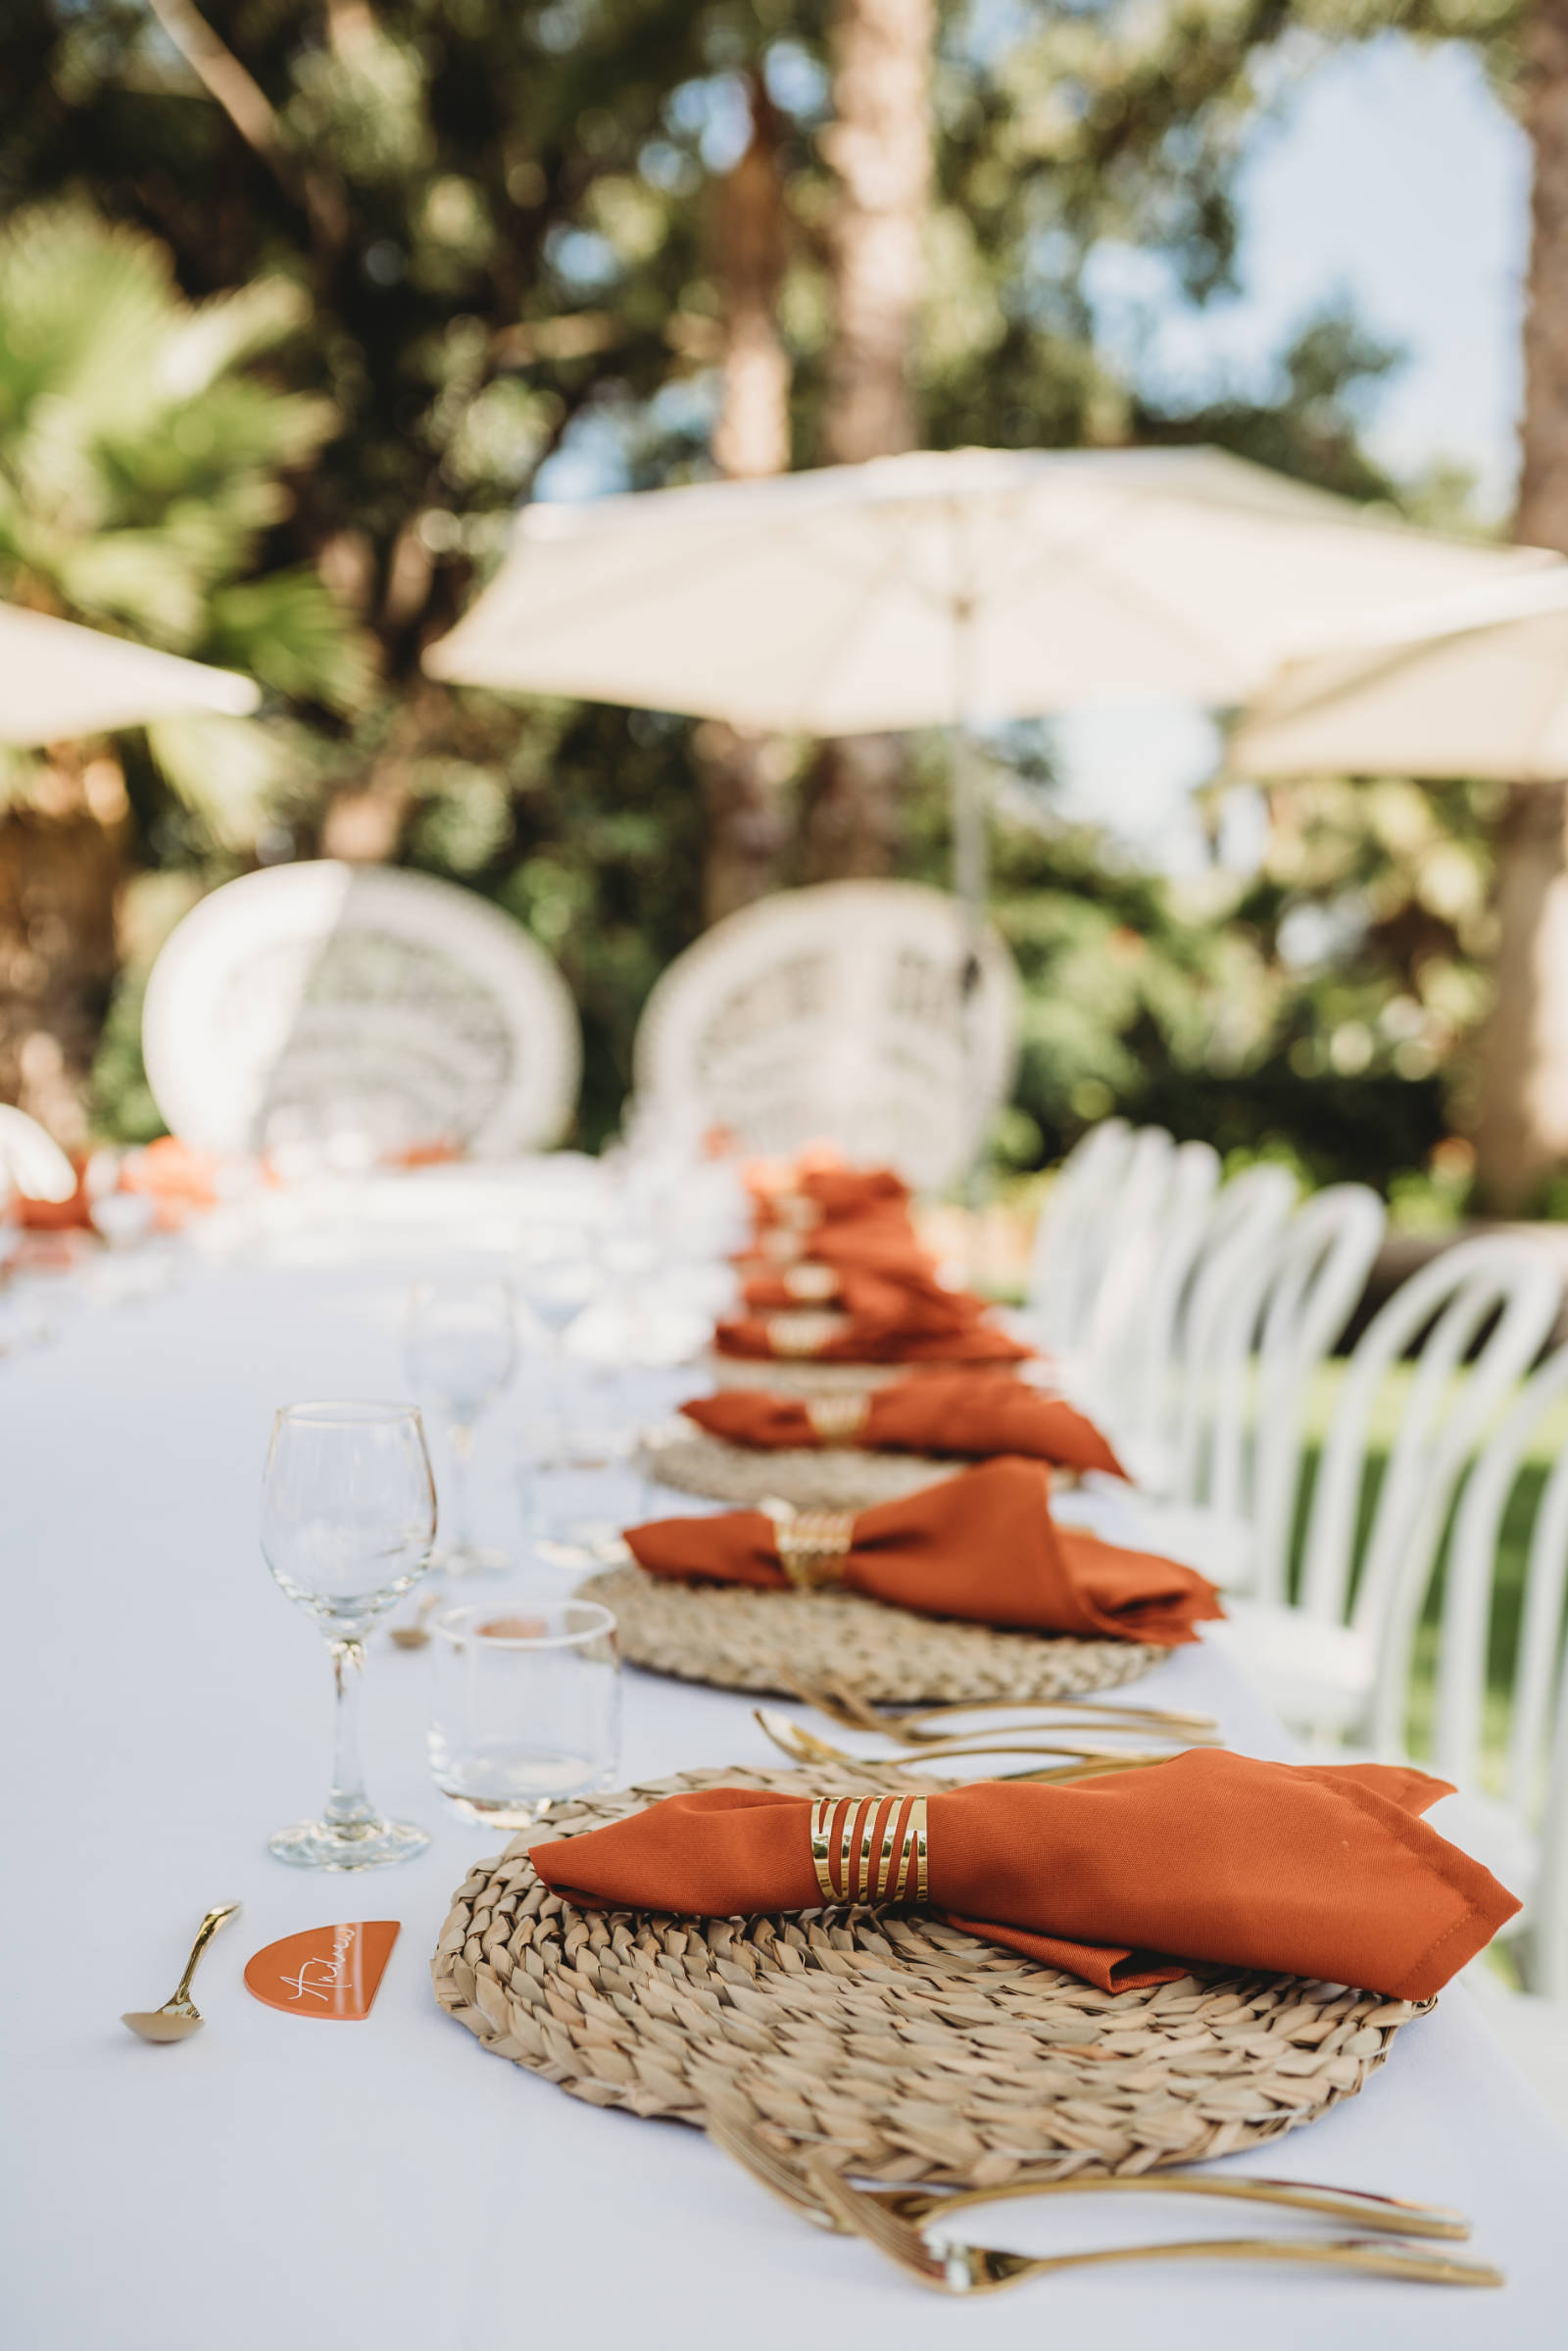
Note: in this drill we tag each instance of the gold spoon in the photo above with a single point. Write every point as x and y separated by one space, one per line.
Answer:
179 2015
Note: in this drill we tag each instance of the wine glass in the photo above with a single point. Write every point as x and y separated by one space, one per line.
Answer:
348 1518
461 1338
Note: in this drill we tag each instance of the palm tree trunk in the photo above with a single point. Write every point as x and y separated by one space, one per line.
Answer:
741 771
1522 1129
879 147
60 866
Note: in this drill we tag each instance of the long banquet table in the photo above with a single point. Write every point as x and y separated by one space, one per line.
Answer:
389 2183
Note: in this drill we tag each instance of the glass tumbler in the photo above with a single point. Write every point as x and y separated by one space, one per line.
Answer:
526 1707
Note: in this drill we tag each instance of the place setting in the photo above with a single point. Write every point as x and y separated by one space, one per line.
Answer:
1046 1936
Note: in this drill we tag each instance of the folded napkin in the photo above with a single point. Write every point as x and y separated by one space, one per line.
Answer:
1317 1870
909 1300
882 1240
848 1339
982 1546
820 1194
963 1412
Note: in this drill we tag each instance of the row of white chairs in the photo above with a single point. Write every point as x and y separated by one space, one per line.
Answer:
1192 1316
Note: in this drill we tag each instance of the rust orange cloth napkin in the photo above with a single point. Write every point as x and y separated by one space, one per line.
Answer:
908 1298
862 1340
963 1412
881 1244
826 1193
982 1546
1319 1869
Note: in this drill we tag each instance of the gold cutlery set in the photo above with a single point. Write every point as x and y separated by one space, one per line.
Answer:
895 2222
895 2219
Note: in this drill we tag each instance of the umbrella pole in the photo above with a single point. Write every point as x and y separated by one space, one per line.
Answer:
969 880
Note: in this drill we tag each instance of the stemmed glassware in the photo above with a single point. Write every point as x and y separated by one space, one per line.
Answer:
461 1339
348 1518
560 1276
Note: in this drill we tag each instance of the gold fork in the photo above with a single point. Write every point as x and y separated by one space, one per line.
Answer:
804 1746
915 2206
953 2267
843 1704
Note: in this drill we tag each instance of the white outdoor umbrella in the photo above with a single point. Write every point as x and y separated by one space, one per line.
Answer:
1474 685
943 588
59 681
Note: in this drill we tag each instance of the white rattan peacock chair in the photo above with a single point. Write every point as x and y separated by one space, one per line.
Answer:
324 995
837 1013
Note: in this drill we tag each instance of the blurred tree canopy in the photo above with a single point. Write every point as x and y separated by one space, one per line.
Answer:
494 220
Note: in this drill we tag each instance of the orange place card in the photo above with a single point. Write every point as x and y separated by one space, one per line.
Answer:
328 1971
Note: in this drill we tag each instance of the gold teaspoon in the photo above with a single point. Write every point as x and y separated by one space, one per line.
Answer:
179 2015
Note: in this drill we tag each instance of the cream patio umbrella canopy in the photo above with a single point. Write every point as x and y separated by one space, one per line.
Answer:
1473 685
945 588
941 588
59 681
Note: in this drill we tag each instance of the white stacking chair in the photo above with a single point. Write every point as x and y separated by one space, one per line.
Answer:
1337 1663
1279 1302
1162 1415
31 1161
1248 1224
1520 1832
1157 1225
1287 1315
1064 1243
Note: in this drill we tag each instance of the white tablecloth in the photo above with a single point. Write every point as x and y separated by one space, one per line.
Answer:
388 2185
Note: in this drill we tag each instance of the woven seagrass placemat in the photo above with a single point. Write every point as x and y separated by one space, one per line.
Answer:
811 1477
896 2047
744 1639
804 1376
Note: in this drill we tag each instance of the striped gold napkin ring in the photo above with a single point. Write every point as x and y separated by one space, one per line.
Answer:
812 1284
805 1332
838 1419
870 1849
814 1544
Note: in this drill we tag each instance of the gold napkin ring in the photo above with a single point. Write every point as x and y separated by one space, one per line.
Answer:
778 1243
812 1285
814 1544
838 1419
806 1333
889 1869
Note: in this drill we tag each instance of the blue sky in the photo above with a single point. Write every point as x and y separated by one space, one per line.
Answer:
1388 174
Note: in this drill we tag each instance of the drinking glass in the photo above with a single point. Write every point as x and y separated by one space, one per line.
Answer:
461 1338
526 1707
348 1518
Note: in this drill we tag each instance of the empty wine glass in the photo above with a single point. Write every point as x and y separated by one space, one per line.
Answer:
348 1518
461 1338
558 1275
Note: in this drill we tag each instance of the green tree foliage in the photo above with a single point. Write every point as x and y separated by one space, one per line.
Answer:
142 466
500 218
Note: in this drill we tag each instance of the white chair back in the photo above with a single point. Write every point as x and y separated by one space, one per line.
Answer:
1289 1316
324 998
1214 1335
1087 1179
1446 1306
1535 1778
844 1014
1142 1379
31 1161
